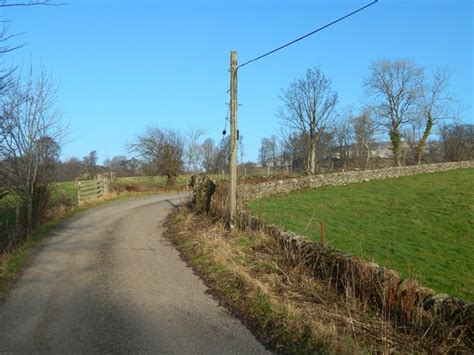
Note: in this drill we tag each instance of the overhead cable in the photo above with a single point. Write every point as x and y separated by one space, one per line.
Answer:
306 35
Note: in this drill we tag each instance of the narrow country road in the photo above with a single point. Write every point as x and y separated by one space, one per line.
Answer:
108 282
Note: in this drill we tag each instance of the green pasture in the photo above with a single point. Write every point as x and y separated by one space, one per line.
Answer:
151 182
422 225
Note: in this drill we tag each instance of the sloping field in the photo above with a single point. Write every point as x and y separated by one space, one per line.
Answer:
422 225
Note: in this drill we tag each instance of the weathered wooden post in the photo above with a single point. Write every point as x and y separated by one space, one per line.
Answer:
78 183
106 185
233 138
98 188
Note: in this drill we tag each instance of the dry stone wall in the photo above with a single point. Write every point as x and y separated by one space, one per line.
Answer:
406 301
403 300
271 188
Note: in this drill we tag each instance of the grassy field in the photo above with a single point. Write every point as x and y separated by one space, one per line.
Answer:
67 190
150 182
422 226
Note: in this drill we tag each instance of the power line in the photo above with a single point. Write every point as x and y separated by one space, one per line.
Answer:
307 35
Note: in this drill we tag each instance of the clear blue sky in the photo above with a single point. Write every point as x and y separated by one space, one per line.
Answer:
126 65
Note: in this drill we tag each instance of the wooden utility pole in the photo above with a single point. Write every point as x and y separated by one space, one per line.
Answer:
233 138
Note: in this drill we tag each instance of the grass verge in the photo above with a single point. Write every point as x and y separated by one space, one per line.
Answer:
421 226
13 261
287 308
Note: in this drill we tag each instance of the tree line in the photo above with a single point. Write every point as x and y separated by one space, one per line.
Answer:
403 101
155 151
164 151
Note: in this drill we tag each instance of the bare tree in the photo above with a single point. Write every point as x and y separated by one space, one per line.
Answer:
436 104
458 141
308 105
268 152
294 150
120 165
324 149
162 149
69 169
241 148
30 134
209 152
193 152
222 162
90 163
48 156
264 151
343 136
365 129
396 88
91 158
5 38
274 150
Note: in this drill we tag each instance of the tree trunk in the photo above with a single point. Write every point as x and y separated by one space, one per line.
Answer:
29 214
308 156
395 139
312 166
367 157
421 144
170 181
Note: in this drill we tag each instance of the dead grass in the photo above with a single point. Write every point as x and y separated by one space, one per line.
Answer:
289 308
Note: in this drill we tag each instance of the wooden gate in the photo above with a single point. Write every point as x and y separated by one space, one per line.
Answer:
91 190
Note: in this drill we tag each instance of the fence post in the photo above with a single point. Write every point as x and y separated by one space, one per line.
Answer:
106 185
79 192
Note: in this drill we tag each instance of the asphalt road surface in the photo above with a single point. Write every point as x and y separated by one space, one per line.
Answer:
108 282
